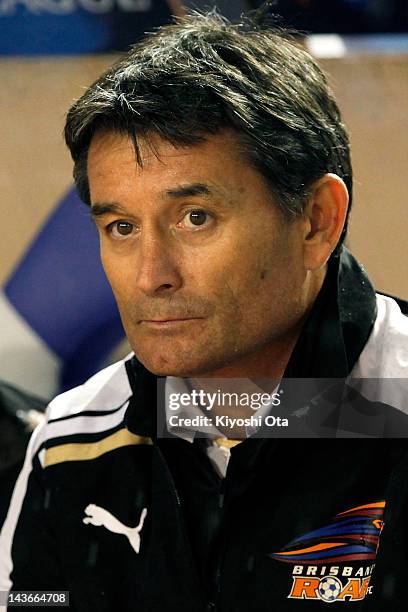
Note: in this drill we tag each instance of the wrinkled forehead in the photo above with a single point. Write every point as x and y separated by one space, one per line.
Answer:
213 167
148 145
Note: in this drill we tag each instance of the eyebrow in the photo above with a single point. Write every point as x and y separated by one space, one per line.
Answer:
97 210
183 191
195 189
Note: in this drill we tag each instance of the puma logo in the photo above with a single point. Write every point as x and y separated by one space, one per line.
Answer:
100 517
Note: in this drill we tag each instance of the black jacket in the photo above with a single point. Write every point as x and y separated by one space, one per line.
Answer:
127 520
18 413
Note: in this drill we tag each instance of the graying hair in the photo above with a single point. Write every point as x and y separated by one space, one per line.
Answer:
192 78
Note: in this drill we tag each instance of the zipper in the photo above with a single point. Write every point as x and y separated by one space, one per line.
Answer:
177 499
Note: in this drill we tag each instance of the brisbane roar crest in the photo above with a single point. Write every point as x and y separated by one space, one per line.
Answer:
335 562
329 589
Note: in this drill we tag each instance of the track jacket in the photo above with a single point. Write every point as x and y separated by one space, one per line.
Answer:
20 412
128 521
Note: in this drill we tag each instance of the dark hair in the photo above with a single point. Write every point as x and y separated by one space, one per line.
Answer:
201 74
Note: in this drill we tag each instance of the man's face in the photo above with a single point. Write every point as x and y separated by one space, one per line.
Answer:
207 274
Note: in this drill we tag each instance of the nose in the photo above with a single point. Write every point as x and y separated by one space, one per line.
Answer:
157 272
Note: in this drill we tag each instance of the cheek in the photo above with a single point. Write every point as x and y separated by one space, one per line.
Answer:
118 275
267 283
254 264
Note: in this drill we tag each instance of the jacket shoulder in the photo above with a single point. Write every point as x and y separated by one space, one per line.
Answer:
104 391
385 354
89 410
381 372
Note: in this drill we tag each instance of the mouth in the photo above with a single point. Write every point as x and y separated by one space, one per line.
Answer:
163 323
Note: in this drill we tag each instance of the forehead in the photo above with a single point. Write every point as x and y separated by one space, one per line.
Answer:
217 161
113 149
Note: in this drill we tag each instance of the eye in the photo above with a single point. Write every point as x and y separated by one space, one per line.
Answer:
195 218
120 229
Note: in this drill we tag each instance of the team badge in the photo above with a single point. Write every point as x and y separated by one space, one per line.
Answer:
335 563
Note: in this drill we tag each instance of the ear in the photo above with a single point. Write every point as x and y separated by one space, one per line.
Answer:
324 219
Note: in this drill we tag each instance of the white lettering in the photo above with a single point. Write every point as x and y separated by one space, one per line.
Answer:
173 401
276 400
184 397
135 6
8 7
65 7
211 400
273 421
197 421
57 7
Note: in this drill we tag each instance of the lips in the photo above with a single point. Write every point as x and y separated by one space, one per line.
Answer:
169 325
169 319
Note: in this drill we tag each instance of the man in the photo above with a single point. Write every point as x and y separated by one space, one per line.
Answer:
218 173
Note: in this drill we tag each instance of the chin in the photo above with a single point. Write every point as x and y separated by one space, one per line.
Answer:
167 367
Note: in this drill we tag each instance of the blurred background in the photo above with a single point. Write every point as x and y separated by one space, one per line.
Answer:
58 320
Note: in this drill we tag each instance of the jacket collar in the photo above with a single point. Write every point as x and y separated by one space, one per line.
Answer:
332 339
339 323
